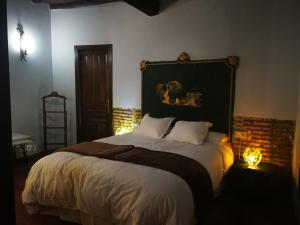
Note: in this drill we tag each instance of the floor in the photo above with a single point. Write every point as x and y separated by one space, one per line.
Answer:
227 211
230 211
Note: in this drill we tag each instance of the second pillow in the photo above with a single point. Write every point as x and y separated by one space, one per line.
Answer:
193 132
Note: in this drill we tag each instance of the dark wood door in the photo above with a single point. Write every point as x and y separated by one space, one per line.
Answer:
93 91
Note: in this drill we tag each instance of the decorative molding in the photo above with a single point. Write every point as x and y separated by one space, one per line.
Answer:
183 58
233 61
143 65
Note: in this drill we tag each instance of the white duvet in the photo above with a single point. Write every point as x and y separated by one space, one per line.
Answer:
95 191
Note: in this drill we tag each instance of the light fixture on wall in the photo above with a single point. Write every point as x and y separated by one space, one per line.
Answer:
23 49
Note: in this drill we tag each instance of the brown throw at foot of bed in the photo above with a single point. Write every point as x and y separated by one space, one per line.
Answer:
97 149
195 174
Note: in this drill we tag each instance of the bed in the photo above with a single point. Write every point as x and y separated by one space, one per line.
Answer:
97 191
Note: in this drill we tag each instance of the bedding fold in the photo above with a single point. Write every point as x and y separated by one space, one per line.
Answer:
97 149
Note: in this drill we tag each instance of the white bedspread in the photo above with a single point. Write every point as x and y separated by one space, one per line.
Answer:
118 192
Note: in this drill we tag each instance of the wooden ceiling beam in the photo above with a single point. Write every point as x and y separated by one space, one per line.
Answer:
67 4
149 7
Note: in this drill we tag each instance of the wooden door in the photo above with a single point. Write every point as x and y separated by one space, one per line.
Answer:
93 91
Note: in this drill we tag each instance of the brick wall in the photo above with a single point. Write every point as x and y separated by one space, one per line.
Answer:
125 117
273 137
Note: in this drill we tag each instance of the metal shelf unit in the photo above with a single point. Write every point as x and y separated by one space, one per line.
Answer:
54 121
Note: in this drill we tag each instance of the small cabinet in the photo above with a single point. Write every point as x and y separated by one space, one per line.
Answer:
265 184
260 196
54 121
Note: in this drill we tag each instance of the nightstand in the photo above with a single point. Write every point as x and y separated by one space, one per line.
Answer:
266 184
261 196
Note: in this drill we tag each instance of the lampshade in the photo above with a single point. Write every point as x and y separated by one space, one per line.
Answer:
252 156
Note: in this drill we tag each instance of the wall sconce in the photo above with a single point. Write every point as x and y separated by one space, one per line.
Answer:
23 50
252 157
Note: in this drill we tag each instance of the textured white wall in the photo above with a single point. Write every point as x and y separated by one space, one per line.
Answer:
264 34
30 80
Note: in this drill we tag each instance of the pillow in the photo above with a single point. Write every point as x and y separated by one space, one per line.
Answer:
153 127
189 131
216 137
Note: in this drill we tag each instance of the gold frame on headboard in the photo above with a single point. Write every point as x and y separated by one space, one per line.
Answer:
232 62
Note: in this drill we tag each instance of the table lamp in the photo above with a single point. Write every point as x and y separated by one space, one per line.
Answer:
252 157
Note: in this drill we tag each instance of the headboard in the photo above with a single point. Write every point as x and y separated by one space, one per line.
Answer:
192 90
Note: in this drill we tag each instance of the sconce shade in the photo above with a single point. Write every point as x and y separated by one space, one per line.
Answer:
252 156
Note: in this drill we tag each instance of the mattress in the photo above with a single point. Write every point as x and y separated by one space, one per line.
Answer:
95 191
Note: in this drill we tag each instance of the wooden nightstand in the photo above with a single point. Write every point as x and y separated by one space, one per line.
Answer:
268 183
261 196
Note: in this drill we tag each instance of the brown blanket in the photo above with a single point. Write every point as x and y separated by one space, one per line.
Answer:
97 149
195 175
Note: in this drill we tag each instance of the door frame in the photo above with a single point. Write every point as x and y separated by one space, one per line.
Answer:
77 49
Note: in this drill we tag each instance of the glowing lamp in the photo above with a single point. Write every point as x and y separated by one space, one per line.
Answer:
123 130
252 156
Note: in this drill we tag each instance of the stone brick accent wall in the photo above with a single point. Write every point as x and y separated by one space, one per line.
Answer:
125 117
274 138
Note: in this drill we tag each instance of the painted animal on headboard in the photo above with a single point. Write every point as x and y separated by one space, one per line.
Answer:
171 93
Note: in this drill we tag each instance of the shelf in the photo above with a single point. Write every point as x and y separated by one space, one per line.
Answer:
54 121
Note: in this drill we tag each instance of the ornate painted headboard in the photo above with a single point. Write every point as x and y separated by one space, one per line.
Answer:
193 90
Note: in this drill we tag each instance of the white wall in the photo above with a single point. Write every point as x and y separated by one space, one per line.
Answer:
264 34
30 80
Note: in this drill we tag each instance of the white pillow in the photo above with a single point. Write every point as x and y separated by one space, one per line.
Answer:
216 137
153 127
189 131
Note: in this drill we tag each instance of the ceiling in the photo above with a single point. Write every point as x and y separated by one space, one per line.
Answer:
149 7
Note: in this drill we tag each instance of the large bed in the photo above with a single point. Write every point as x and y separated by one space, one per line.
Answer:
98 191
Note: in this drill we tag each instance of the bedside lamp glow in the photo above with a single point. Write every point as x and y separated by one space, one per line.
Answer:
123 130
126 128
252 157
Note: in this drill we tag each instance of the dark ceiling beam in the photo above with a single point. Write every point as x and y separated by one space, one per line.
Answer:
150 7
61 4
